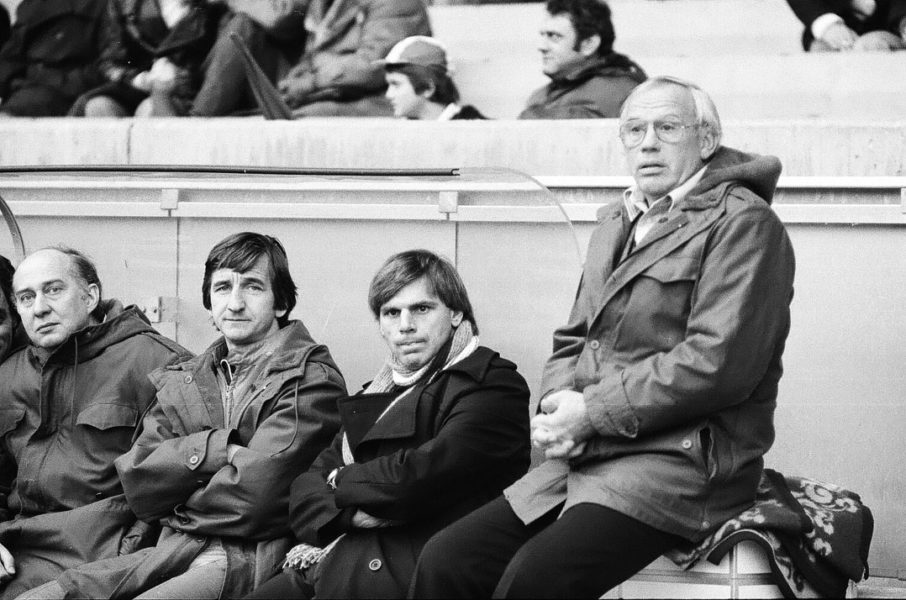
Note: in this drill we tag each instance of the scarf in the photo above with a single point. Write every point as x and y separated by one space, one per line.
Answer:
391 376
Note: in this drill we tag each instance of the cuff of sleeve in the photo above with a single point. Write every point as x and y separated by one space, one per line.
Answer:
207 452
609 409
822 23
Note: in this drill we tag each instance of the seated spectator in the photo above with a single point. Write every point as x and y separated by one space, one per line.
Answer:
419 85
152 58
12 336
219 447
843 25
441 429
588 79
49 59
4 25
338 73
70 403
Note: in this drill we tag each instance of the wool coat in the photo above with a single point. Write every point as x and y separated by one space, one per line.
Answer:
442 451
676 349
65 416
178 473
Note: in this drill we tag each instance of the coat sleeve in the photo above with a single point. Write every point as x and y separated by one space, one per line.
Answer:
485 432
115 63
569 340
809 10
385 22
738 321
249 497
12 56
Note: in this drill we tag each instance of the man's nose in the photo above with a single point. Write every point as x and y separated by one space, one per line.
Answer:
650 140
237 300
40 305
406 322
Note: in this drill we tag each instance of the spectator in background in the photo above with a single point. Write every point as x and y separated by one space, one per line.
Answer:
588 79
843 25
439 431
4 25
70 403
419 85
49 59
220 447
153 57
12 336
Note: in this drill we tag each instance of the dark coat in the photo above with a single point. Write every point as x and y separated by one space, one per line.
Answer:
65 416
135 35
593 90
177 471
887 16
677 351
441 452
50 57
468 112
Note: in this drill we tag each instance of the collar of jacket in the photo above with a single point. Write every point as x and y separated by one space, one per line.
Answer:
119 323
613 64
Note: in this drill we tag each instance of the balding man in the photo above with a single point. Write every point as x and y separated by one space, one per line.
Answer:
658 401
70 404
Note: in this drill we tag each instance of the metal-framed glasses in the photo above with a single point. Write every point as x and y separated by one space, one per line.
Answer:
633 132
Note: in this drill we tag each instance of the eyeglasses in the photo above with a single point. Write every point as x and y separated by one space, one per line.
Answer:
633 132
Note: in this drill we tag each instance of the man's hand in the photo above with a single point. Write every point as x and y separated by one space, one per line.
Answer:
298 84
162 77
840 37
363 520
7 565
564 427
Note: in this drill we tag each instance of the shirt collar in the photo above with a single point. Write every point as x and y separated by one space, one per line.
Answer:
635 203
450 111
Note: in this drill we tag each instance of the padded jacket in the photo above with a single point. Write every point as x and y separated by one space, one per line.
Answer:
65 416
676 349
177 472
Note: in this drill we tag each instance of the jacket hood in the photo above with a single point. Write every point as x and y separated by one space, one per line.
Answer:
611 65
754 172
119 324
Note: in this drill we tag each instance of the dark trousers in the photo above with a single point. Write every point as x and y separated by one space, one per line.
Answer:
582 554
288 584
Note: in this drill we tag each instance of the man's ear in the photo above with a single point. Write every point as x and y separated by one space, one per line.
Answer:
707 142
589 46
92 297
428 92
456 318
280 313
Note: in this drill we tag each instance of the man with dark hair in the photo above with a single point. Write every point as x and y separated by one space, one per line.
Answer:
12 336
70 403
419 85
588 79
658 400
220 447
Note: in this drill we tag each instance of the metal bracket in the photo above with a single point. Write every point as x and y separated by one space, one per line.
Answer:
169 199
448 202
159 309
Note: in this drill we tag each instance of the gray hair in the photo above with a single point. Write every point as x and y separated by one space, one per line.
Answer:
706 116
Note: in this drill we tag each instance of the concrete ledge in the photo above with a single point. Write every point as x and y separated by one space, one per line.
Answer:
575 148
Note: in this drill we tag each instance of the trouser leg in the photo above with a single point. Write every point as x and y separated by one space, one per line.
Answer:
587 551
225 88
466 559
289 584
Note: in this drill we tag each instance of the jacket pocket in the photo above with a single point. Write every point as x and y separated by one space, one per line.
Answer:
709 456
672 269
103 416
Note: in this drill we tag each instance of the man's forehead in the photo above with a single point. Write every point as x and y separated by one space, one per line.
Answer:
42 266
260 270
662 100
558 23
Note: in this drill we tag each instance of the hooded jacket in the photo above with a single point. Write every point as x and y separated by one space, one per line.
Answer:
676 349
178 472
594 89
65 416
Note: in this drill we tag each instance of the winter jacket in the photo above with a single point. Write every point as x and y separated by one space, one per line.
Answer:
177 471
677 352
65 416
53 46
592 90
346 39
442 451
887 16
135 35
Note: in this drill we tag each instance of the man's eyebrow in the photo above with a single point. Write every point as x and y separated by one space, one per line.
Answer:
43 284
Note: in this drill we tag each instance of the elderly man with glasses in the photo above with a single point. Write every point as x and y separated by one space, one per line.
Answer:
657 403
